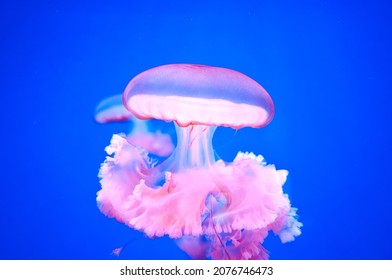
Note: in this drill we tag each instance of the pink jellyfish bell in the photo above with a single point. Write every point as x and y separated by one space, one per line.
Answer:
112 109
154 141
214 209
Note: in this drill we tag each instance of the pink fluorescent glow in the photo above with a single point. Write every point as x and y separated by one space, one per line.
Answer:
155 142
217 96
112 110
213 209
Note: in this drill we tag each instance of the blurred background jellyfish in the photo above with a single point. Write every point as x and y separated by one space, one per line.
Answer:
213 209
143 132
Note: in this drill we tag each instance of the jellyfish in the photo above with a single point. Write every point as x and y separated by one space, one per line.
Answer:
142 134
213 209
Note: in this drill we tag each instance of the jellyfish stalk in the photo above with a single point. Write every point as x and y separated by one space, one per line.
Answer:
194 148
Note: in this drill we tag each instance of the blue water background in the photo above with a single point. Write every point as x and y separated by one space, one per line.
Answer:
326 64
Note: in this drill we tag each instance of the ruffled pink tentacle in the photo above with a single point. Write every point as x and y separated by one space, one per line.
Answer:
229 206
